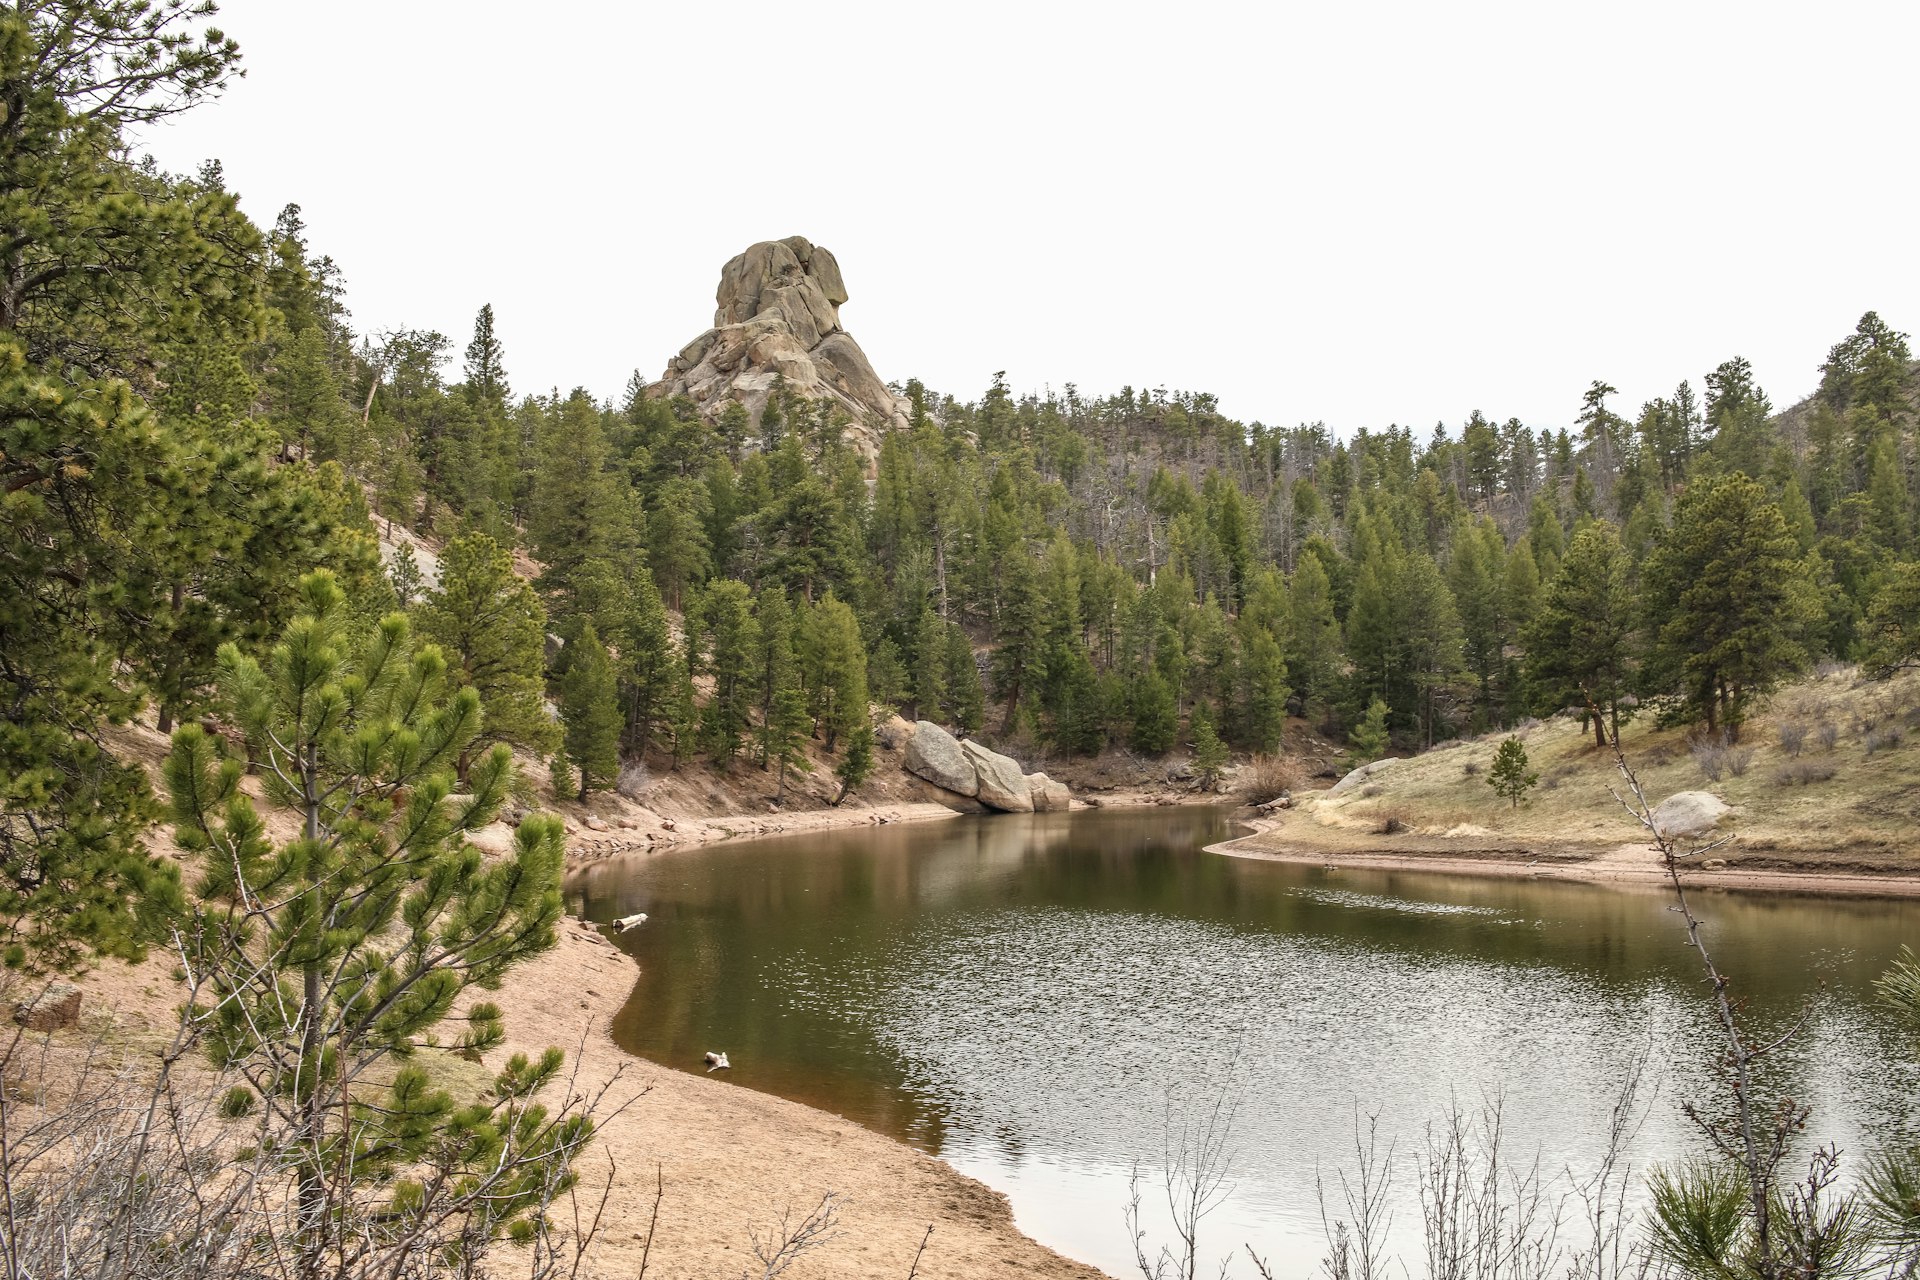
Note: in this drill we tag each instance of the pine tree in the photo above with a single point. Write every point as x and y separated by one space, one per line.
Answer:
1019 659
651 668
1730 599
775 666
966 702
1510 778
590 710
856 762
382 893
724 617
486 361
1209 753
1156 718
1314 636
929 665
1370 738
785 735
1582 647
404 576
493 629
834 666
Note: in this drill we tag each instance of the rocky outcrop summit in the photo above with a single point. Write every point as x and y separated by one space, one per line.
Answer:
777 316
967 776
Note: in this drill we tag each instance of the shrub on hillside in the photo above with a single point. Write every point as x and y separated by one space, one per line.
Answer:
1269 776
1711 758
1800 773
1793 737
1826 733
1885 737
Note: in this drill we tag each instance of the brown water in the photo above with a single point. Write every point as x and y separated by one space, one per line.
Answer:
1023 995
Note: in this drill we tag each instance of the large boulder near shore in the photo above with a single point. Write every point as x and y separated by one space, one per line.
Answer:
935 754
951 799
1361 774
1048 796
1689 813
1001 784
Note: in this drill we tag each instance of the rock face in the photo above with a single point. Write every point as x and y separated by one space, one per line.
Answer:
1361 774
934 754
1048 796
778 317
54 1009
952 799
1001 783
1689 813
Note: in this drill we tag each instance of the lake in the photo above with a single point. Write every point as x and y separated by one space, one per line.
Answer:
1030 998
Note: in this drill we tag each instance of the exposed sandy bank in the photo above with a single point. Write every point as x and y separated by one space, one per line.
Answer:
732 1158
1298 839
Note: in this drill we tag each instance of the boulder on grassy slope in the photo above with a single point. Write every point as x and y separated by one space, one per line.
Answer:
1361 774
1689 813
935 755
1000 781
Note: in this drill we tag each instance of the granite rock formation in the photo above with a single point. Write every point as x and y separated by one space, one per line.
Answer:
777 317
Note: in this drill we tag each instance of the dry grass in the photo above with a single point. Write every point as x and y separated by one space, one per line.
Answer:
1811 784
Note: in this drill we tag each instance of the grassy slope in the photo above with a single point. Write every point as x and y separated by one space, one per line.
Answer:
1862 817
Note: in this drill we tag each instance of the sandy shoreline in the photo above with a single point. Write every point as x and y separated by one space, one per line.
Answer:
732 1159
1627 864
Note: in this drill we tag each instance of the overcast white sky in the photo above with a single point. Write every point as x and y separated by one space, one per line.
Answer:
1359 213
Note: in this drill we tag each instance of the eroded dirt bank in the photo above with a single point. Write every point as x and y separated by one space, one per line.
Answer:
1298 839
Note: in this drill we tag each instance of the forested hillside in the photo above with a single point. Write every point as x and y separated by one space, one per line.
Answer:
193 422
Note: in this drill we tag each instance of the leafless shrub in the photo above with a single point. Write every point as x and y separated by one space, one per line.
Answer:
1484 1214
1471 769
1739 759
1800 773
1197 1160
1793 737
1391 824
1826 733
779 1245
1268 777
1711 758
1884 738
633 781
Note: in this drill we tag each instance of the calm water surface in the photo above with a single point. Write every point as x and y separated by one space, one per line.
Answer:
1027 997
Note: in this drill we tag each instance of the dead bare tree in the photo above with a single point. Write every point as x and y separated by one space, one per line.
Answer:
784 1242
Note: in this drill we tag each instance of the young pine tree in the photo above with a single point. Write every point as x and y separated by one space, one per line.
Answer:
1510 778
856 762
1370 737
321 965
1209 753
